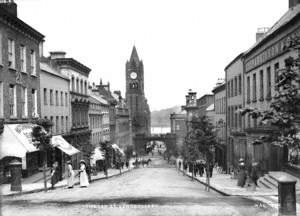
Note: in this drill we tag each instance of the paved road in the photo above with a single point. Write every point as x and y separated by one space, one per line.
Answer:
156 190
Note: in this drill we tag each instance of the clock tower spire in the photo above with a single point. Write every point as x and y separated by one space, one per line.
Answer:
135 96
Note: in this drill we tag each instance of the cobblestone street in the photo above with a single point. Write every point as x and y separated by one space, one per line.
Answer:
156 190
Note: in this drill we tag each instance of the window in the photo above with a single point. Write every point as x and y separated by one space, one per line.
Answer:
67 124
248 89
232 89
57 125
235 86
249 120
51 97
228 89
268 83
1 97
12 101
51 119
240 84
85 87
276 68
61 98
45 96
62 124
254 87
23 58
77 85
1 50
56 98
24 101
34 102
66 99
11 53
261 90
32 62
81 86
73 84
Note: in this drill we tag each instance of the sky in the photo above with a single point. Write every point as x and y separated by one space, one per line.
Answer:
184 44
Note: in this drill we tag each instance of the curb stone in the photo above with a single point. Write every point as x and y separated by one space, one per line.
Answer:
61 186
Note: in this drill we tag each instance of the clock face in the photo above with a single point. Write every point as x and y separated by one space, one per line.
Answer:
133 75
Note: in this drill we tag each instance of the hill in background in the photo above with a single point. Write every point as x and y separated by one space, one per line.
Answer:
161 118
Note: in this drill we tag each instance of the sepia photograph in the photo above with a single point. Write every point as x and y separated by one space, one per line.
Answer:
149 108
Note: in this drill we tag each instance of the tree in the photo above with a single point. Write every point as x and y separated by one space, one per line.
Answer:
129 152
108 151
200 142
284 111
41 138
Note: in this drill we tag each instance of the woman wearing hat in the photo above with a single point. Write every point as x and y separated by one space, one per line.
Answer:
83 178
70 175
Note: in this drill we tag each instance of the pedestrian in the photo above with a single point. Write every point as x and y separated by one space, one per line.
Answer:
83 178
254 174
127 164
242 175
54 174
211 168
70 175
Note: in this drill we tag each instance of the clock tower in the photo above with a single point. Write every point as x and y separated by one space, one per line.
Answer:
135 95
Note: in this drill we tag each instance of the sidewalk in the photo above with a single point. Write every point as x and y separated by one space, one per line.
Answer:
224 184
37 187
227 186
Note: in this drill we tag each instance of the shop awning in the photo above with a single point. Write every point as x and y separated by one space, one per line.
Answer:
117 148
16 140
59 142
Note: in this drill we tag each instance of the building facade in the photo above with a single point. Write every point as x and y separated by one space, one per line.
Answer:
178 127
262 63
203 103
20 51
123 122
78 74
135 95
236 138
219 123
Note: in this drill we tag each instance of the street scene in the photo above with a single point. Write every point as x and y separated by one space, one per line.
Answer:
162 107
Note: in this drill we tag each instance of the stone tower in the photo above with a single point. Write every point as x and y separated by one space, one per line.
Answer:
135 95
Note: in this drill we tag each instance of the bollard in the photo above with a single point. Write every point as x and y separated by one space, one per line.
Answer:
16 175
286 196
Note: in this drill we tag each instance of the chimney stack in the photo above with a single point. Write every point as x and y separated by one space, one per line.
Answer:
10 6
261 32
57 54
293 3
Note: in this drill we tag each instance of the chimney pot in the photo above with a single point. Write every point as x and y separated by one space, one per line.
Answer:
57 54
293 3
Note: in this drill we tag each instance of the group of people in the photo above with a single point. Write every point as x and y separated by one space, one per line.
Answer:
247 176
143 162
198 167
70 174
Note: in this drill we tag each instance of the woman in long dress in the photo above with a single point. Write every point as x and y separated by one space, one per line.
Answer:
70 175
83 178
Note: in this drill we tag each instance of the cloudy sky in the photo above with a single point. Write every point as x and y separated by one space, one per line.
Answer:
184 44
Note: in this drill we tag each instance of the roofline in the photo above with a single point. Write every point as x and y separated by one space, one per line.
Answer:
234 60
20 24
264 40
57 75
73 63
219 88
205 96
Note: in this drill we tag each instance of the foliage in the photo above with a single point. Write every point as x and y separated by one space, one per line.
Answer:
284 111
41 137
200 140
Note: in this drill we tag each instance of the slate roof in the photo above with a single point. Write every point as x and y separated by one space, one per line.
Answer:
291 14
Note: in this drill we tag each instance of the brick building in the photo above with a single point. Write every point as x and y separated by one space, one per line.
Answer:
262 63
78 73
203 103
178 127
56 107
219 123
20 50
236 138
123 136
